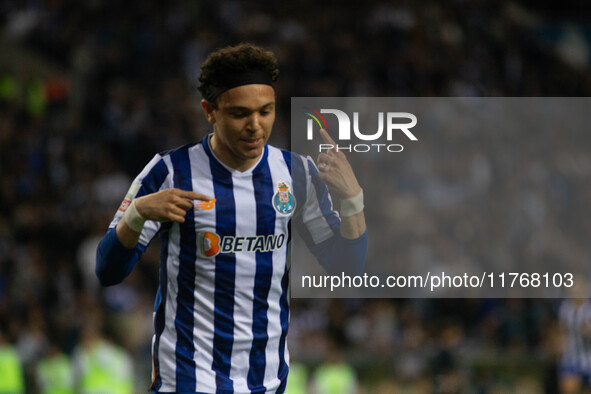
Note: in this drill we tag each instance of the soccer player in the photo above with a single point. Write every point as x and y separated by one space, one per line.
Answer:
223 208
575 361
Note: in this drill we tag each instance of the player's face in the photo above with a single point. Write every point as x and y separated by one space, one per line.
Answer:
242 124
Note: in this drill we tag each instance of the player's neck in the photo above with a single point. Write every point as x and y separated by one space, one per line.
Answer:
226 157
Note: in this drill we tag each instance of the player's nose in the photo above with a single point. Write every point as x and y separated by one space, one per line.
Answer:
254 122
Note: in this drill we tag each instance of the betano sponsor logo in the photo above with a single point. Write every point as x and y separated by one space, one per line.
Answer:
390 122
211 244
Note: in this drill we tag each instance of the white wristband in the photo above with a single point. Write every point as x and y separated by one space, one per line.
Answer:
352 206
133 219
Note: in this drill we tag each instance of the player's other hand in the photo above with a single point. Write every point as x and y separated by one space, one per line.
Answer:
334 169
170 205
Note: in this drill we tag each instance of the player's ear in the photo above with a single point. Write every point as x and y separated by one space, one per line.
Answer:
208 110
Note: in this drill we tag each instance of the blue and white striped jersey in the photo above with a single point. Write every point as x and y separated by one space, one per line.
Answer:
575 320
221 312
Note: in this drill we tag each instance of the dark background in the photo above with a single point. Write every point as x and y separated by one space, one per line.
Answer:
89 91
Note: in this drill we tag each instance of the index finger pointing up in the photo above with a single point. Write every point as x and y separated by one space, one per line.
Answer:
326 137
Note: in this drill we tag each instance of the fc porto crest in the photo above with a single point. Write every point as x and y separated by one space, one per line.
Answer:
283 201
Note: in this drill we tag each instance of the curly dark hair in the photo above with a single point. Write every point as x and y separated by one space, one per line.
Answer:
232 60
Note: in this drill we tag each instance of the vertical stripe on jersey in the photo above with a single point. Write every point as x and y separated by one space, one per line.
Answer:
225 274
245 274
263 190
184 350
298 185
203 315
284 304
159 306
299 190
151 183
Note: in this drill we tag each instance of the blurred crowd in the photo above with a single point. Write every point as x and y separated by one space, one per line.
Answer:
90 91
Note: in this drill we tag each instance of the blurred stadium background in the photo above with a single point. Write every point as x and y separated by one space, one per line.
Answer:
89 91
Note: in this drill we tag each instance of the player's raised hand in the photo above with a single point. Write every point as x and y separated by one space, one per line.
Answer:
334 169
170 205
